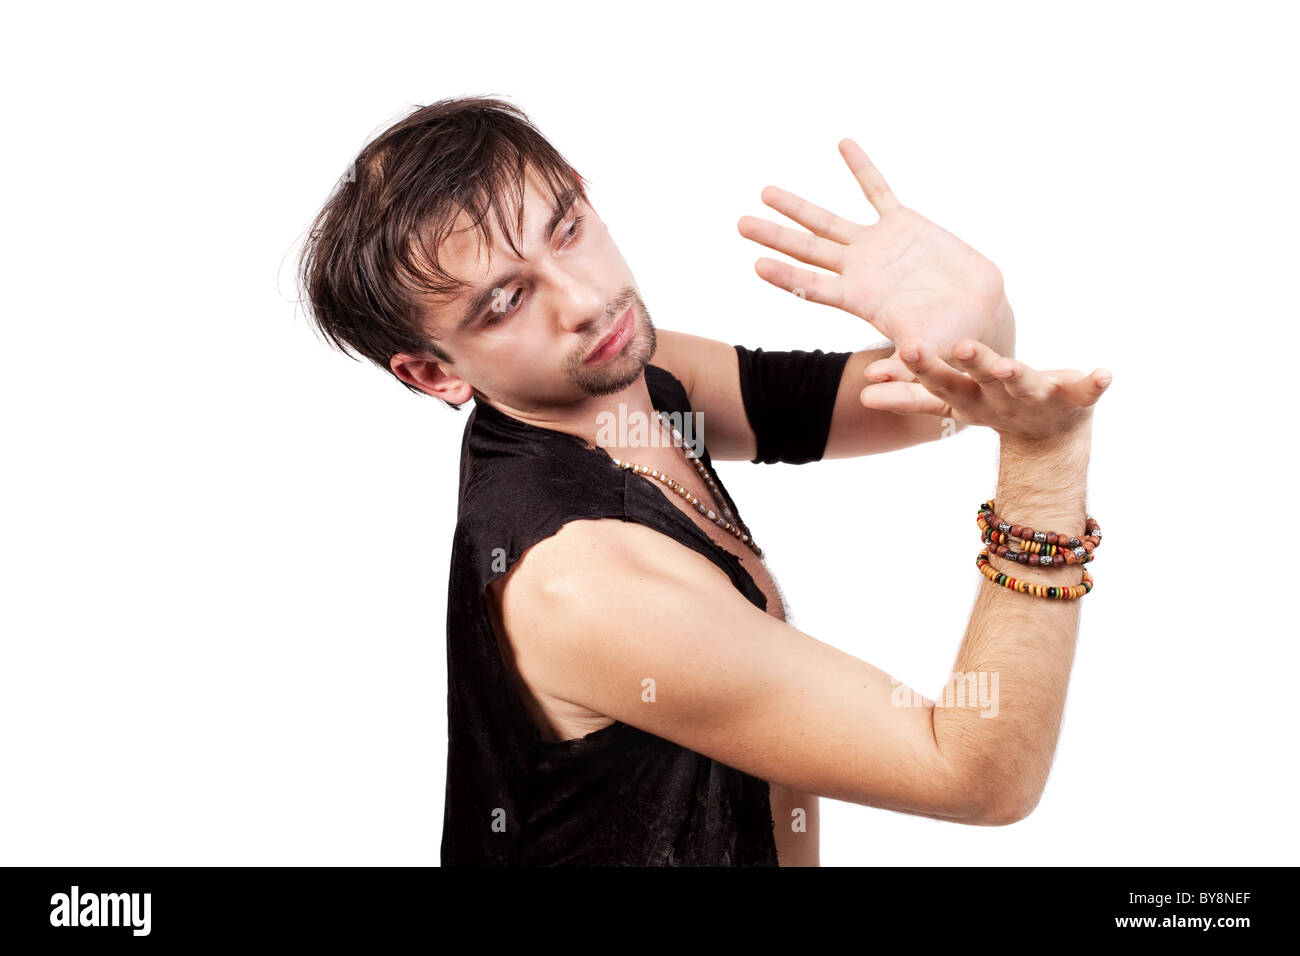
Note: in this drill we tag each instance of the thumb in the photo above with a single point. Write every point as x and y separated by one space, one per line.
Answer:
890 368
904 398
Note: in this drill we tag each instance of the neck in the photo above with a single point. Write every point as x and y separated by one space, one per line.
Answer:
623 423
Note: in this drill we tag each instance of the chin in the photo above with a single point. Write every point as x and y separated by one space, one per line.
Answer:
620 372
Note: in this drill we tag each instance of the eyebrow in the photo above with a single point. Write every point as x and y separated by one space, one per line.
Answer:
485 294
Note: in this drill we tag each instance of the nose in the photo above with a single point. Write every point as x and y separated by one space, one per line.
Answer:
580 303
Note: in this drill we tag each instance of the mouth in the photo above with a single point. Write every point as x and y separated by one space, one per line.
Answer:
613 343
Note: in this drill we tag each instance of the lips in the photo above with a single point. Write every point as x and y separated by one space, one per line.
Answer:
615 340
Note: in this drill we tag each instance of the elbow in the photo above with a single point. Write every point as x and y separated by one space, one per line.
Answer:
999 798
990 791
1003 809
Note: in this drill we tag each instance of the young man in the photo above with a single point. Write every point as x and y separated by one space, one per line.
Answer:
624 687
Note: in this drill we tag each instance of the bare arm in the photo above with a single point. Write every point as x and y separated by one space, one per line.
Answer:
1019 645
1025 642
602 607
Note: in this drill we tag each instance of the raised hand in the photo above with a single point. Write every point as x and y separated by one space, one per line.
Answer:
985 388
905 275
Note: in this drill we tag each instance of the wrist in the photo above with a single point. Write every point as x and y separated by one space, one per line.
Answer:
1071 447
1043 484
1047 494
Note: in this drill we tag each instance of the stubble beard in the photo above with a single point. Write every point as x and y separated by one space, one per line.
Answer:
626 367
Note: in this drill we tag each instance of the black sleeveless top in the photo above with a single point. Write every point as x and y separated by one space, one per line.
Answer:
618 796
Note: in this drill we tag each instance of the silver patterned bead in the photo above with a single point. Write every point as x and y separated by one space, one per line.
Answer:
1040 536
1004 526
1044 559
1012 555
1080 553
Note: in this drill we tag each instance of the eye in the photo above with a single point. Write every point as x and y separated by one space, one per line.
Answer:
496 315
575 230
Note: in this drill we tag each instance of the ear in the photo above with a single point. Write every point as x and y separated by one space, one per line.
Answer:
431 376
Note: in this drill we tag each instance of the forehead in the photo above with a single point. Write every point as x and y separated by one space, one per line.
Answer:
463 253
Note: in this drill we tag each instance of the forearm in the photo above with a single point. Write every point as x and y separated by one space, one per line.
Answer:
1019 647
857 430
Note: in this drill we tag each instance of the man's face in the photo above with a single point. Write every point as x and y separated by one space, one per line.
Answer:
526 333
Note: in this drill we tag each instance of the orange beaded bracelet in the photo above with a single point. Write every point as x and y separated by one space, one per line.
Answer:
1056 592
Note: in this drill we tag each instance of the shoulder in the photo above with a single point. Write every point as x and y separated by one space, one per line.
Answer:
591 574
591 563
709 372
694 360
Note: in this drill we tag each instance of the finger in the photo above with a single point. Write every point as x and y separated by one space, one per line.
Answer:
1086 389
888 369
1020 380
803 246
804 283
937 376
812 217
873 184
904 398
976 359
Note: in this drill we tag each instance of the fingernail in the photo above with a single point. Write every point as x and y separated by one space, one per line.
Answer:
910 353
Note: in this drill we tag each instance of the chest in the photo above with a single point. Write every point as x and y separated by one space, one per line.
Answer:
694 484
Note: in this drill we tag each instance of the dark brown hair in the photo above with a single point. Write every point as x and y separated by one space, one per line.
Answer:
372 249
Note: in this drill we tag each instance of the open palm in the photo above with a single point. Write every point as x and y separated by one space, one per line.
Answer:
907 276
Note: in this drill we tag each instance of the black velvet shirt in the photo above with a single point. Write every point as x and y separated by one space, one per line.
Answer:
618 796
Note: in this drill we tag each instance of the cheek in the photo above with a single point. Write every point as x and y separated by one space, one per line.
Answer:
611 257
526 353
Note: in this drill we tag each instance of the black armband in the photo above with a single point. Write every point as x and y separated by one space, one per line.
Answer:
789 400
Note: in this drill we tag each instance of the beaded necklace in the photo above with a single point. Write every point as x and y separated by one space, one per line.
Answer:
726 520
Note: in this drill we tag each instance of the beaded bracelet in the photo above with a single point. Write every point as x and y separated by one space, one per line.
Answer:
1033 552
1091 535
1036 547
1057 592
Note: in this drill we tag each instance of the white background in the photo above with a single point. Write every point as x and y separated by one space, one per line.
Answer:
226 546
